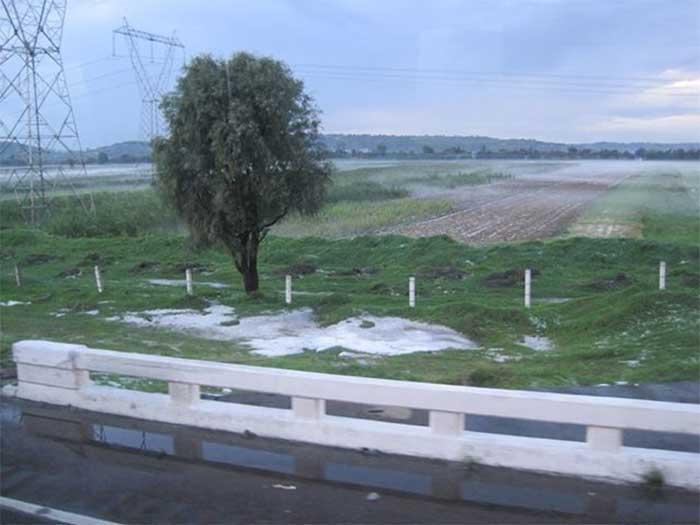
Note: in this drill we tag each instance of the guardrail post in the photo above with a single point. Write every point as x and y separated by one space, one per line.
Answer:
183 393
98 279
18 276
528 286
288 289
604 438
308 408
662 275
412 292
447 423
188 281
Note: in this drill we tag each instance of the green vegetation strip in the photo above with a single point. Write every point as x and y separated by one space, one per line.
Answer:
596 299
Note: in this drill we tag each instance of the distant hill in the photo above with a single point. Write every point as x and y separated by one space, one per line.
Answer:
122 152
416 143
347 144
134 148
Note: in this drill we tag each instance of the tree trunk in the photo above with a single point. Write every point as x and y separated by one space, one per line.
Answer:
250 277
245 256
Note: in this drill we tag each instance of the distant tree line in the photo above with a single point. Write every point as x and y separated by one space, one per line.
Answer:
100 158
571 153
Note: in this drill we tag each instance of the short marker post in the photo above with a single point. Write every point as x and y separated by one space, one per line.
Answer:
288 289
528 286
188 281
98 279
662 275
18 276
412 292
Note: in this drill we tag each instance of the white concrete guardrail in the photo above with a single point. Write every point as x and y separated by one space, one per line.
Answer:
60 374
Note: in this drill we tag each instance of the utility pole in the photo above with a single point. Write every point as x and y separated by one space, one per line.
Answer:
37 123
153 82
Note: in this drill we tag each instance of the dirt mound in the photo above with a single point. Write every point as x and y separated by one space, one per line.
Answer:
70 272
195 267
354 272
691 280
603 285
507 279
382 289
298 269
92 259
38 258
449 273
145 266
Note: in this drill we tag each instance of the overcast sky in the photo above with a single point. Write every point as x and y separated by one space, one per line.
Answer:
560 70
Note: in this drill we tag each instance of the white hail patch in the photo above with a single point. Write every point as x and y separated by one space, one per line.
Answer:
292 332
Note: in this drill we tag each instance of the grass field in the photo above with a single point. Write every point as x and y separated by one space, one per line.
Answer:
662 205
596 300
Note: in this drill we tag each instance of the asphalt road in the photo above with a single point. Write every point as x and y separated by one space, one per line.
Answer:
132 471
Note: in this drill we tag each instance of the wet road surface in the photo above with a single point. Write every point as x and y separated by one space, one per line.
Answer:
132 471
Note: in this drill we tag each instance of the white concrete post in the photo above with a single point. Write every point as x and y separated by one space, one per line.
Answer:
98 279
308 408
183 393
18 276
662 275
188 281
288 289
412 292
528 286
604 438
446 423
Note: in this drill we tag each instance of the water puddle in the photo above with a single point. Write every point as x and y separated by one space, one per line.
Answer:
237 459
292 332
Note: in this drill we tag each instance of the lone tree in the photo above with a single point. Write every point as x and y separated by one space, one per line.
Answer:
243 152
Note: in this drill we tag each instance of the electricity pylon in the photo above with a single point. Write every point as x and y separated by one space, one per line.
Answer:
153 82
37 124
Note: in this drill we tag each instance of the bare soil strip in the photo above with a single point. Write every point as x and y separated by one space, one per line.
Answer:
528 208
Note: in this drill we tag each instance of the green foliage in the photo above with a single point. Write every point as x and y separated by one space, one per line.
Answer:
654 479
128 213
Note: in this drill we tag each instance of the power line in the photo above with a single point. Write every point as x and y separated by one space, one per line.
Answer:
462 72
152 84
496 82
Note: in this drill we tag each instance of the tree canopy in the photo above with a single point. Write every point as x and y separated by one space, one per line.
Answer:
243 151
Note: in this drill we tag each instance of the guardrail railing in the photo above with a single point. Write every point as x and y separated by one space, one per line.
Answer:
60 374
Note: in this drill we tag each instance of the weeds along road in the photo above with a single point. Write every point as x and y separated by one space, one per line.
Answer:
530 207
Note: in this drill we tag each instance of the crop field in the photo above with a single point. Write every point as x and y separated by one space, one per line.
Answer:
594 234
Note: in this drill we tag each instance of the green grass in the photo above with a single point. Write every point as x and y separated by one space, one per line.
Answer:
662 205
347 219
364 191
127 213
455 180
598 332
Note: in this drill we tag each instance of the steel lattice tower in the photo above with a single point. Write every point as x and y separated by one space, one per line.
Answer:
37 123
152 82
